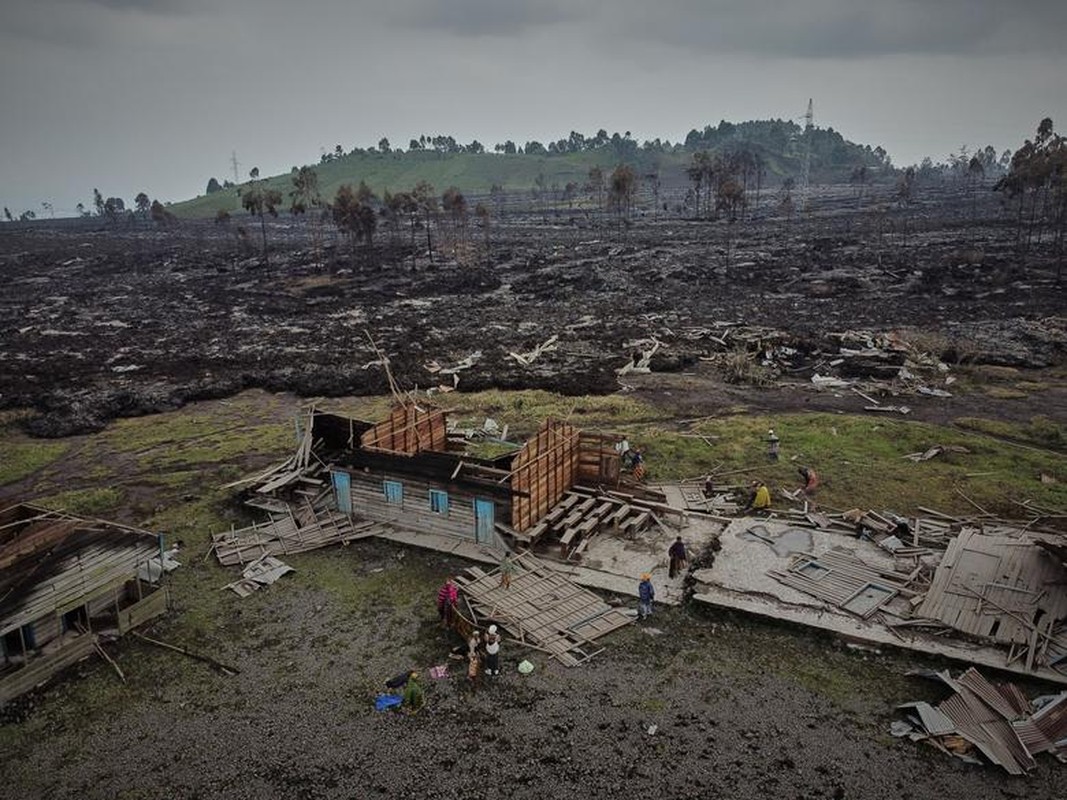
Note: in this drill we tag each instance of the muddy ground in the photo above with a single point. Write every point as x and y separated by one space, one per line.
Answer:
102 321
740 710
99 322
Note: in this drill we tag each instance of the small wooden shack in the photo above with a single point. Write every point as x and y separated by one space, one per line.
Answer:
404 470
62 580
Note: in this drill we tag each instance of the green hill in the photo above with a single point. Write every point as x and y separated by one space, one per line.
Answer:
780 145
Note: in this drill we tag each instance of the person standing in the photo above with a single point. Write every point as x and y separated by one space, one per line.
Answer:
447 597
507 569
646 594
474 643
709 486
474 669
492 651
772 445
678 557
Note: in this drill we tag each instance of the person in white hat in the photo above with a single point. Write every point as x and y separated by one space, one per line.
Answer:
492 651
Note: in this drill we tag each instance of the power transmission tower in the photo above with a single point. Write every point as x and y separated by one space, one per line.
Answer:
237 174
805 171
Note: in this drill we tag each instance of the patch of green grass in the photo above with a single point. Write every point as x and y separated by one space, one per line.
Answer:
522 411
468 172
1041 431
860 460
1004 393
223 446
86 502
20 459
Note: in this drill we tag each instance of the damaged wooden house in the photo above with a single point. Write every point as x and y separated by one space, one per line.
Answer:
410 472
63 581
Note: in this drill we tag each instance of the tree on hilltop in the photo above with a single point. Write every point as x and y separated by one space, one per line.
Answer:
259 201
306 199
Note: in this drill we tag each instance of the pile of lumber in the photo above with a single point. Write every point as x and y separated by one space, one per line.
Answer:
583 513
308 529
541 609
302 473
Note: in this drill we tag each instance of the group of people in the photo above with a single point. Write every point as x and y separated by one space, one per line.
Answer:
483 654
759 496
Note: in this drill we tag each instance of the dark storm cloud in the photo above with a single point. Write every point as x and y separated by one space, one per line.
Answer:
85 24
799 28
154 6
845 28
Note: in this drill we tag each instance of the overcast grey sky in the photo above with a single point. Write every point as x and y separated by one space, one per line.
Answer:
153 95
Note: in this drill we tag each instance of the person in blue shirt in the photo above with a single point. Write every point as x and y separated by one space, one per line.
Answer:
646 593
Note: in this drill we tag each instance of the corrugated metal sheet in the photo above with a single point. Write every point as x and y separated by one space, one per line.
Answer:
1032 738
988 693
1052 719
935 721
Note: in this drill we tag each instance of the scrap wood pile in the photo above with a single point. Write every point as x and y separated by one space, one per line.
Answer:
262 572
875 362
300 475
992 721
1009 592
541 609
309 528
923 534
585 512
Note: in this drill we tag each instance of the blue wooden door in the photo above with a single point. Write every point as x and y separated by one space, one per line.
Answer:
484 520
342 491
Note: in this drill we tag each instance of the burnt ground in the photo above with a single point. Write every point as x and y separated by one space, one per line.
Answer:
103 321
99 322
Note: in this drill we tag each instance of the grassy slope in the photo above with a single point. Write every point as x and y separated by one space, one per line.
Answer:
472 174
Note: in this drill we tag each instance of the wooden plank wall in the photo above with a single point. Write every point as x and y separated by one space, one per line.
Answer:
545 468
599 463
95 568
368 500
42 668
408 430
143 610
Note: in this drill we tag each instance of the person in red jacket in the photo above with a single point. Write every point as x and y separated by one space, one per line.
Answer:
447 597
810 478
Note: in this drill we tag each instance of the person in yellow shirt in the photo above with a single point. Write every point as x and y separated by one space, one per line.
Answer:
760 499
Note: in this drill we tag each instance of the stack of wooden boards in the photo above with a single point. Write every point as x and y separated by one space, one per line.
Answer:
309 528
585 512
541 609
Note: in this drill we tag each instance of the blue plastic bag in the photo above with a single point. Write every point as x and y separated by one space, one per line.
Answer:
386 701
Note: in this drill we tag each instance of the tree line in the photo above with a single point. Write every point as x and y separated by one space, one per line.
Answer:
355 211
